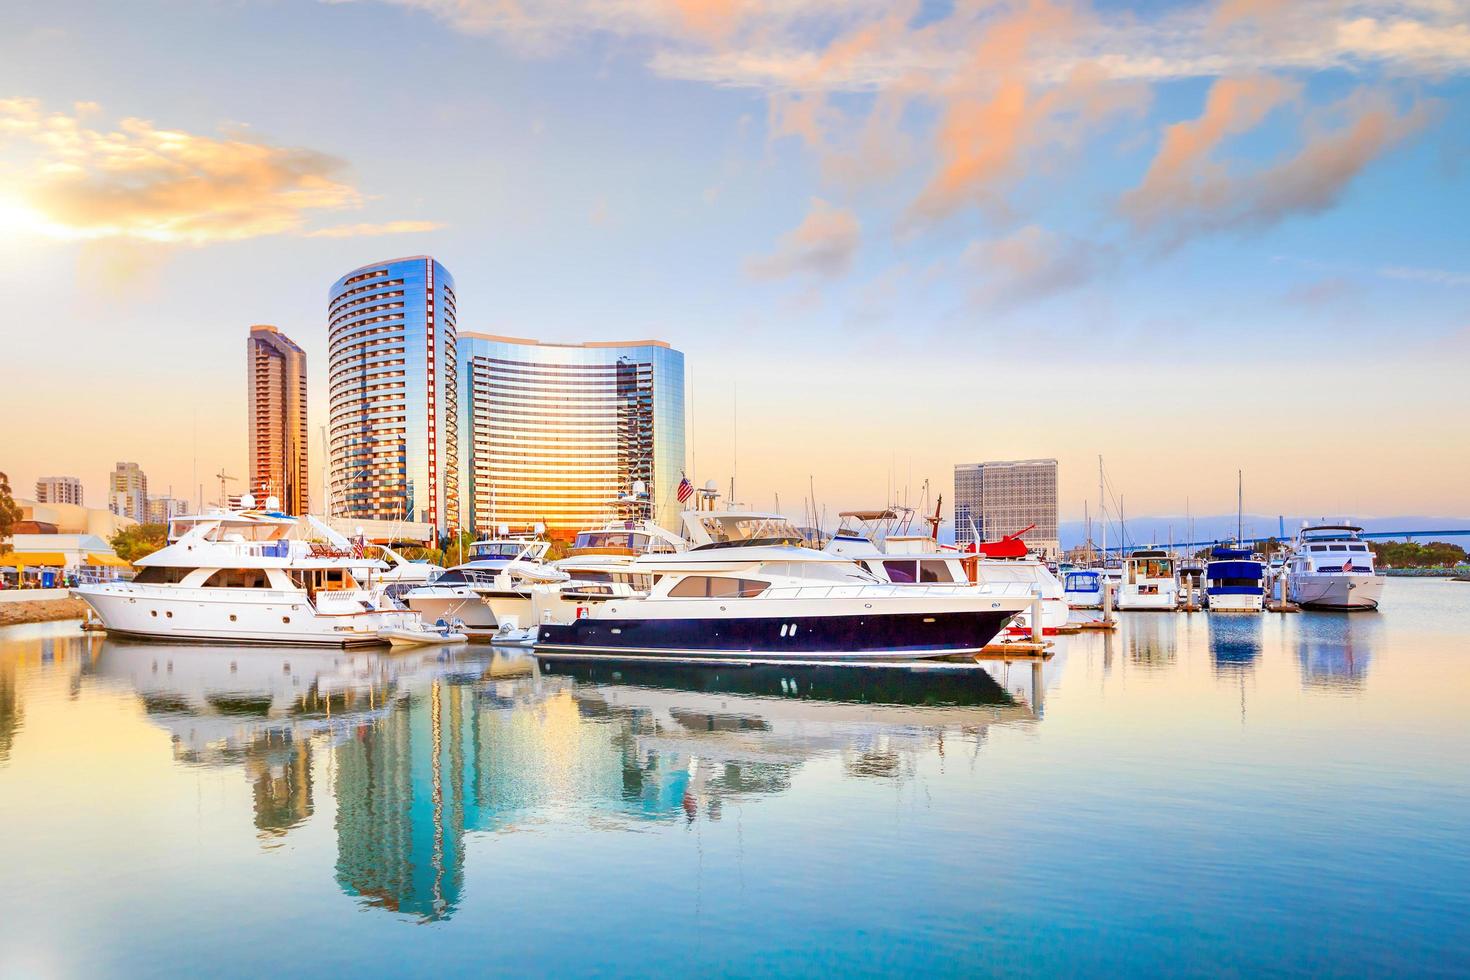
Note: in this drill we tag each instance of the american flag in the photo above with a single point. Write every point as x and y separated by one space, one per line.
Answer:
685 491
1347 566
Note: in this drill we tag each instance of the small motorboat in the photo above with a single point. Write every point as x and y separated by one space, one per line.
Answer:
422 634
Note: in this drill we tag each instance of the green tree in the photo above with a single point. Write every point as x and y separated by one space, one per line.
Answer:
9 513
1411 554
132 543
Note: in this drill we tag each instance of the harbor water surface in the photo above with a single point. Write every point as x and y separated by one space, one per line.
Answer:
1279 794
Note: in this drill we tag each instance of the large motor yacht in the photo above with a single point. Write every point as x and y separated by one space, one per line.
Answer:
1332 568
252 576
500 569
748 589
1149 581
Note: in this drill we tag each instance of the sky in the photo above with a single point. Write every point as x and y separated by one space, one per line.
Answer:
889 237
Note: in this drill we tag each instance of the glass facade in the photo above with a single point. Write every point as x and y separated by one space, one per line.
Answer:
555 433
393 428
276 369
1001 498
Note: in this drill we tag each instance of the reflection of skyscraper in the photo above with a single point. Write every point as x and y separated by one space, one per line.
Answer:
401 807
279 769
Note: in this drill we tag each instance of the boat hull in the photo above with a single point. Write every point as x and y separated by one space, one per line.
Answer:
1349 593
196 616
450 604
1163 600
1237 602
896 636
1055 615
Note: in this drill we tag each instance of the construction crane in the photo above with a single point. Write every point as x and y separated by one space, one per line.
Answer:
222 477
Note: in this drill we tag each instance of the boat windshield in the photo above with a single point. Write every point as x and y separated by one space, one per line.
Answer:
1083 582
743 529
630 540
496 549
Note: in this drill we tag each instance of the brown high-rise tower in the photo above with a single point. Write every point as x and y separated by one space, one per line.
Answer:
277 393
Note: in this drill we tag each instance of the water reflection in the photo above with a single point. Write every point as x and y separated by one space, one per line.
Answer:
1333 650
420 750
1235 642
1152 639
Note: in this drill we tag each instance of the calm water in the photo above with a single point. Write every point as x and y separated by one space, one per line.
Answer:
1288 794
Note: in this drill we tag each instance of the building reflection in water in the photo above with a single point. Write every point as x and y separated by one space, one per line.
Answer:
420 750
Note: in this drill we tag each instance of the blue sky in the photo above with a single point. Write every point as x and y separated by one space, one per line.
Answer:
916 235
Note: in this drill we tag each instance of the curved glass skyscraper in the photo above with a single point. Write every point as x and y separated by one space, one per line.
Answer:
554 433
392 430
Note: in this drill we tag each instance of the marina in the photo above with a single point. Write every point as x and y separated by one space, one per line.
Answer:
476 807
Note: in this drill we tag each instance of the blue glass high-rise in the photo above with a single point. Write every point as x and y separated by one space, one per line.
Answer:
393 425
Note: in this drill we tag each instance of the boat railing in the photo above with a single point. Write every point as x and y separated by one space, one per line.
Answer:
937 589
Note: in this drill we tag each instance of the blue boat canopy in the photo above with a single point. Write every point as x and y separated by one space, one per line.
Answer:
1217 570
1222 553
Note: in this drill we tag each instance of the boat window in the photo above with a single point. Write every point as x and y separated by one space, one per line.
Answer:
592 576
238 578
900 571
1319 547
1082 582
1338 547
162 575
1236 583
1357 547
713 587
1157 568
935 571
450 578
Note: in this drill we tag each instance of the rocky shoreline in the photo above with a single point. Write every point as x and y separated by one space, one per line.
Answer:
41 611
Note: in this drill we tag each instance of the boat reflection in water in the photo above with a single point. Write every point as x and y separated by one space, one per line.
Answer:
1152 640
1235 643
1334 653
703 734
420 750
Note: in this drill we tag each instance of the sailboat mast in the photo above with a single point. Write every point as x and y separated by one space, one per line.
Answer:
1239 503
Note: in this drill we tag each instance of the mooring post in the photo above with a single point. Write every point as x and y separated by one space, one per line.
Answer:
1036 617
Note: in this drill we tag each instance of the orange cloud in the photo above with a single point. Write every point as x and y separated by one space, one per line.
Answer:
823 244
141 182
1187 192
369 229
1032 263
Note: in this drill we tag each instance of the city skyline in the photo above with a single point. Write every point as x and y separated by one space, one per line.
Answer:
888 238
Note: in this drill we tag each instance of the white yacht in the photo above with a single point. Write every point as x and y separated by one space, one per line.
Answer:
501 568
747 589
402 574
1332 568
252 577
1149 581
1008 562
596 569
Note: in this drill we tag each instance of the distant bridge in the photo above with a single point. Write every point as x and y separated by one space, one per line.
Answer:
1123 549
